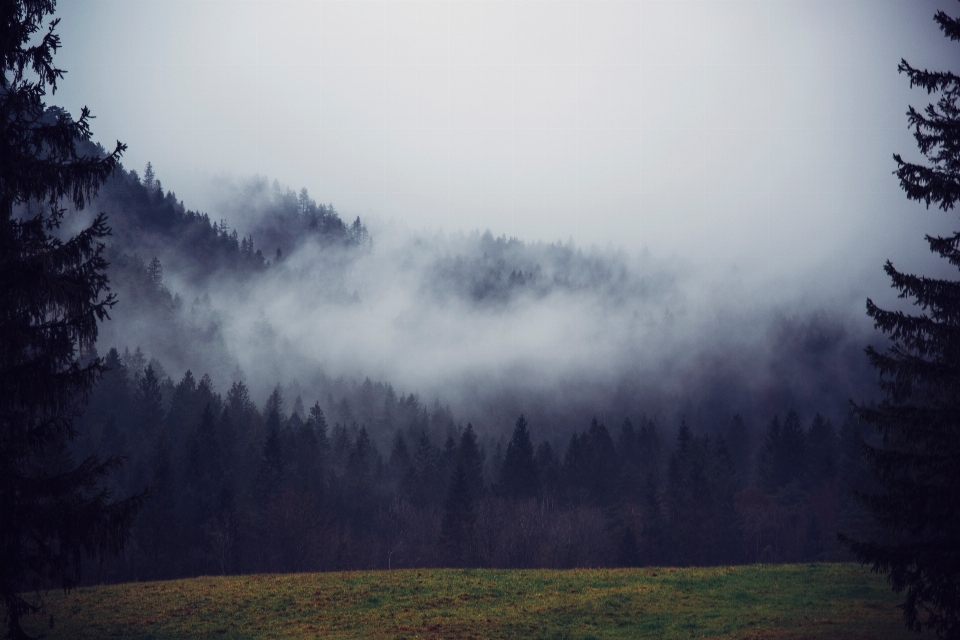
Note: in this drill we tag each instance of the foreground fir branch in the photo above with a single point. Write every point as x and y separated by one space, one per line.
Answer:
916 465
53 294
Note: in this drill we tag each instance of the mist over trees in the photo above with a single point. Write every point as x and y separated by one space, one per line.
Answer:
279 462
493 326
151 223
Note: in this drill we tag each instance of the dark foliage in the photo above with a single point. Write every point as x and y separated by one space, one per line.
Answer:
248 489
518 475
53 294
916 464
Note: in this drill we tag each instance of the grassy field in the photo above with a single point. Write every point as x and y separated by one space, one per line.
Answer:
760 601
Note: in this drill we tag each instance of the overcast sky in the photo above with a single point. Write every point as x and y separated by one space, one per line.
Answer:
755 132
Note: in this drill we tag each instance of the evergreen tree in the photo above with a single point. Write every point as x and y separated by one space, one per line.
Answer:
781 464
160 526
576 469
727 537
738 442
270 476
854 478
360 479
148 403
917 463
155 271
183 409
688 499
821 452
307 458
650 444
518 475
422 485
398 467
604 465
319 424
549 469
149 178
458 517
203 471
109 409
243 412
702 522
653 527
53 294
466 488
628 451
471 458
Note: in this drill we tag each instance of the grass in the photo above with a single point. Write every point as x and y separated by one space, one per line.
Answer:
759 601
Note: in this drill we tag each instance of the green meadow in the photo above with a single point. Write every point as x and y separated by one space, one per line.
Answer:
759 601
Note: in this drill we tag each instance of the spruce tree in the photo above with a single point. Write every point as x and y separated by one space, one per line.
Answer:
916 463
518 475
270 476
688 499
53 294
821 452
422 484
781 462
466 487
203 471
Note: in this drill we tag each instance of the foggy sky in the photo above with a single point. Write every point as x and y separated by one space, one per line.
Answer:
751 132
746 146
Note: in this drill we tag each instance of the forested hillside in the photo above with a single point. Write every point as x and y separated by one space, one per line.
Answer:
262 455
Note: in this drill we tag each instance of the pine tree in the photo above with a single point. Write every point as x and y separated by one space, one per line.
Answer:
917 464
821 452
109 408
518 475
421 486
203 470
307 459
549 468
183 409
155 271
782 458
398 467
466 489
149 178
360 479
53 294
159 532
148 407
604 465
270 476
738 442
688 499
653 526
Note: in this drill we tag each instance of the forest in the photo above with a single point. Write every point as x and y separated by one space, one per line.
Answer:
340 473
237 488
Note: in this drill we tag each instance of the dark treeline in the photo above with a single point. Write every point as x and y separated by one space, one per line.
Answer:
376 480
492 270
367 478
147 222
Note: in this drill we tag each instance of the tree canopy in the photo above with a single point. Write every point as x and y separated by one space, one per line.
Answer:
916 462
53 294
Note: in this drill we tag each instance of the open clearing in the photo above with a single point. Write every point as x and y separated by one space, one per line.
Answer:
759 601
